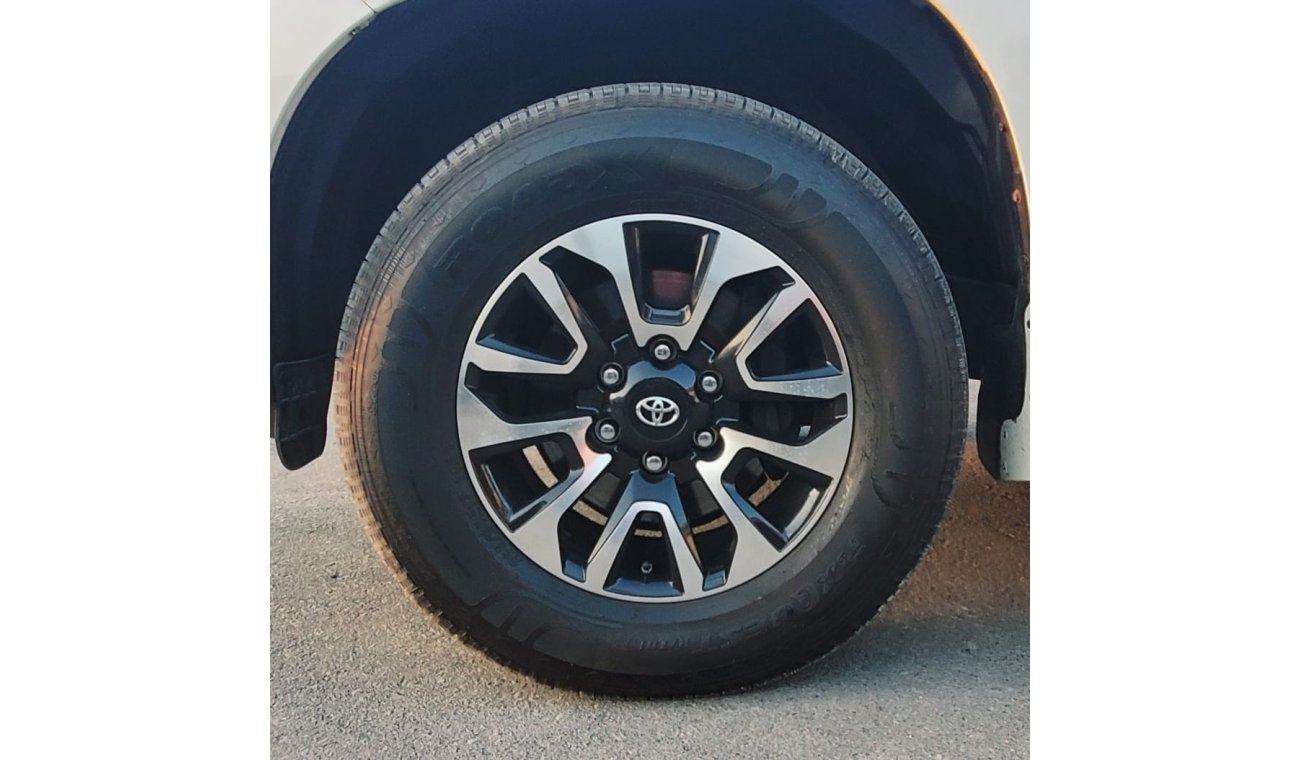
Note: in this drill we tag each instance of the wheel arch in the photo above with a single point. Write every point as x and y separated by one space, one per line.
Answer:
893 81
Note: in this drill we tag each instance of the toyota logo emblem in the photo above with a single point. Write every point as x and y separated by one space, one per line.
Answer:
657 411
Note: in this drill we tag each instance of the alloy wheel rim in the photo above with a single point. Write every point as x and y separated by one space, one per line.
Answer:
654 408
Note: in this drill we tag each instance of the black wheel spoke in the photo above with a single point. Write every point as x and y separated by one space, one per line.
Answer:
825 381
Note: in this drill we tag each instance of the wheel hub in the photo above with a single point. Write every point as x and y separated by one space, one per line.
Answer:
657 410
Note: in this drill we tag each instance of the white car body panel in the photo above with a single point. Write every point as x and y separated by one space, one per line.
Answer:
998 32
305 34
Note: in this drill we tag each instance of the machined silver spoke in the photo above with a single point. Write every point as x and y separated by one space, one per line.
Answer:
480 427
630 507
604 243
827 383
538 536
830 384
732 255
823 454
500 358
754 553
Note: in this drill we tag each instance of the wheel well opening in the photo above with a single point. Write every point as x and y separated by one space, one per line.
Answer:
890 81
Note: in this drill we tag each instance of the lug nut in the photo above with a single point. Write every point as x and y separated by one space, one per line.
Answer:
710 383
662 350
705 438
607 431
611 375
654 463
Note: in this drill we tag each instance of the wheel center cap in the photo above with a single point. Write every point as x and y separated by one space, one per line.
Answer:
657 411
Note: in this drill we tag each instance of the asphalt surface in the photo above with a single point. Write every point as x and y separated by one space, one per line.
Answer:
359 671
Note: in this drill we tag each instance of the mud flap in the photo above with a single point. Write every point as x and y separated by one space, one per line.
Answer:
300 393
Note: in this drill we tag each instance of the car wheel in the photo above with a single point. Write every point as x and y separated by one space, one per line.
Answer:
651 389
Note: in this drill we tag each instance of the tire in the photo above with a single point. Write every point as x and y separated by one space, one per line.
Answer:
450 248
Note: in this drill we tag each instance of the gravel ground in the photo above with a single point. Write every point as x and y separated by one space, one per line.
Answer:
358 671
